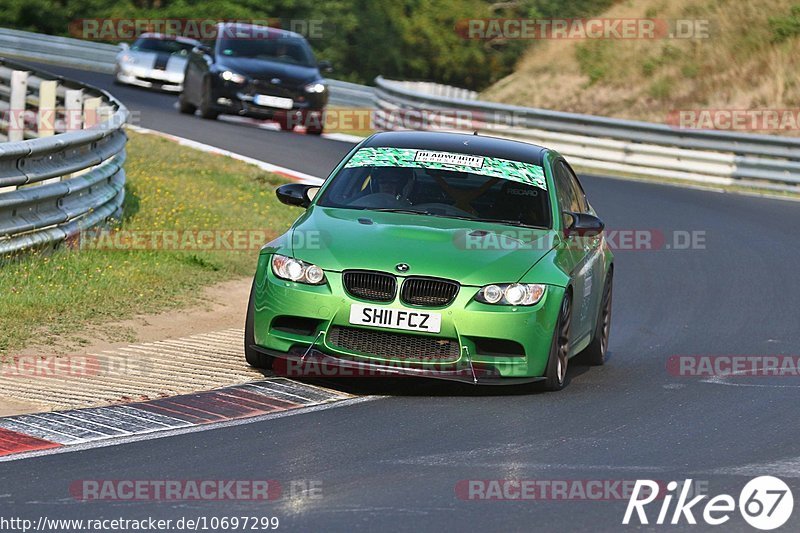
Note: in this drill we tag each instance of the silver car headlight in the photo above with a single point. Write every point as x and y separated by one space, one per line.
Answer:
127 59
315 88
292 269
233 77
511 293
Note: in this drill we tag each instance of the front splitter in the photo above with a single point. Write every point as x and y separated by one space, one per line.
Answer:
313 363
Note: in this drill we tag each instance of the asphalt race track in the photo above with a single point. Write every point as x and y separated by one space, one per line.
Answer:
394 462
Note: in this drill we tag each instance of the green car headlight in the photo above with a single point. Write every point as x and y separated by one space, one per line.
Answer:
292 269
511 294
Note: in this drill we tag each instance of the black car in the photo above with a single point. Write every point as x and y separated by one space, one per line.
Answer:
258 72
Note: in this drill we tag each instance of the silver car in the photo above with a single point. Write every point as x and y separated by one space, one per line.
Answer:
154 61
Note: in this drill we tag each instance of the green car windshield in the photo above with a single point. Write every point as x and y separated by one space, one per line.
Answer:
428 183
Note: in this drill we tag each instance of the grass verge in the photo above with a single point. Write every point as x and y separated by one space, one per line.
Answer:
173 192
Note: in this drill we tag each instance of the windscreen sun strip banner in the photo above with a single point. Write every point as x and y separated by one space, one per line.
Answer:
494 167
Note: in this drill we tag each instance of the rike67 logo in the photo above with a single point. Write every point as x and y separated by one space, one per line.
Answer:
765 503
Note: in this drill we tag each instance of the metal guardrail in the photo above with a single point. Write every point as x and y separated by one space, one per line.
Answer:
87 55
348 94
602 144
100 57
60 160
435 89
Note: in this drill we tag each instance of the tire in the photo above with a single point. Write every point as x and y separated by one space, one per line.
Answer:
283 122
253 358
556 373
185 107
595 353
206 111
314 121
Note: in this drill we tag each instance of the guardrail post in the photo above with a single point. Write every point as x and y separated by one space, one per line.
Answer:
16 107
73 109
104 113
90 112
73 116
47 108
46 125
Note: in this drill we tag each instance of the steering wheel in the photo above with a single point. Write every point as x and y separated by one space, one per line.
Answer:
381 199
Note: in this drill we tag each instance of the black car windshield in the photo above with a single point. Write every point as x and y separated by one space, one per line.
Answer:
281 49
437 192
169 46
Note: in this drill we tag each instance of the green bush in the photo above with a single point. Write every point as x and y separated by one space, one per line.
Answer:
660 89
593 60
785 27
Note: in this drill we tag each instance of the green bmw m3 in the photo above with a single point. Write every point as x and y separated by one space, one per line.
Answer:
438 255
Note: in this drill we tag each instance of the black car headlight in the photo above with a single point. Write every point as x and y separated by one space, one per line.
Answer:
292 269
315 88
511 293
233 77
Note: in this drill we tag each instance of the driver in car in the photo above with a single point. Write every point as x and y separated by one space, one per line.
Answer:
394 181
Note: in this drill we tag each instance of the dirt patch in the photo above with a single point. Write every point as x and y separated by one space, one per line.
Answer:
221 306
10 407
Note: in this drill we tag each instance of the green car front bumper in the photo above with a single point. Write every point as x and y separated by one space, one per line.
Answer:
293 320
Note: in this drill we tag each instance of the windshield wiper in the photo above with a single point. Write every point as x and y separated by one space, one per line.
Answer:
496 221
509 222
459 217
399 210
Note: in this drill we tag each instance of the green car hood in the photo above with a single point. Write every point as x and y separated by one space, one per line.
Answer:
341 239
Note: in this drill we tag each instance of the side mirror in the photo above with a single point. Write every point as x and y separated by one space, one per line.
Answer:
203 50
325 66
297 194
582 224
124 47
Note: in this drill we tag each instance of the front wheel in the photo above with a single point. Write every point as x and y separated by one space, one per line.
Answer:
314 121
207 110
254 358
185 107
556 373
595 353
